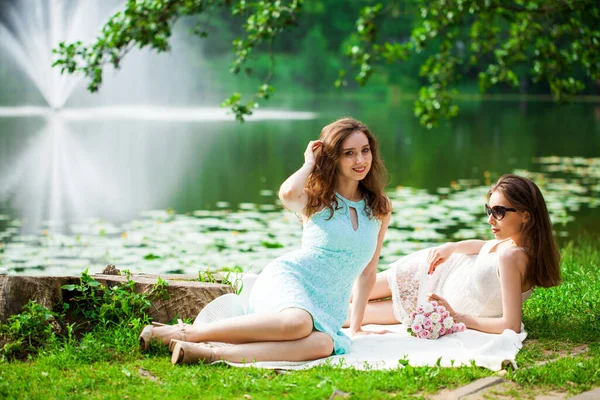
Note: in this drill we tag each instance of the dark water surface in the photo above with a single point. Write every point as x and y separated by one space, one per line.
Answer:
61 178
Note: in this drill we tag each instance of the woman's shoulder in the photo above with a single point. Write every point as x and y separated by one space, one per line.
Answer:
513 254
382 218
380 205
512 257
325 211
387 202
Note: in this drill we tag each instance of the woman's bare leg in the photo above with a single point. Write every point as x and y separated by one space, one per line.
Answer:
314 346
380 312
377 312
289 324
381 289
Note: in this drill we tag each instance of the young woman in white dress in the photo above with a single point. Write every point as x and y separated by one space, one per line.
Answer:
481 283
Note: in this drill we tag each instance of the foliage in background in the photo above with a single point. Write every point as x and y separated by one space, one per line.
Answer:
506 42
510 43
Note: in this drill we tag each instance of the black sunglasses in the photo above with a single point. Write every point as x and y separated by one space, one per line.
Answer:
498 212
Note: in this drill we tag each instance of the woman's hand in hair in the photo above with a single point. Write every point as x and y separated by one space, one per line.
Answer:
292 193
312 151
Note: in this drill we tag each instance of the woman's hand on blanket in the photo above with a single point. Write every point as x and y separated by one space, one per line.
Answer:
360 332
438 255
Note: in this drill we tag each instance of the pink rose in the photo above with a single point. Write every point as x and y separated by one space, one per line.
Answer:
420 310
416 328
424 334
413 315
442 309
434 303
427 324
455 328
462 327
442 331
427 314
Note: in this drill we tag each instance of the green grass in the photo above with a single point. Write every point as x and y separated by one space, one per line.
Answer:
154 377
106 363
571 311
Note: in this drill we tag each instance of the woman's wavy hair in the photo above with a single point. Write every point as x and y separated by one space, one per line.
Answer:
543 268
320 185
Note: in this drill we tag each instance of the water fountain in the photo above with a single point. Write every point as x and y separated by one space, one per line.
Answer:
33 28
65 172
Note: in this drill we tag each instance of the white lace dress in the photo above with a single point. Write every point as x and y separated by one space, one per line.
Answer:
470 283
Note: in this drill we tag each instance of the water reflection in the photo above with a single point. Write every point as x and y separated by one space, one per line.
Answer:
248 237
102 162
150 113
59 177
222 179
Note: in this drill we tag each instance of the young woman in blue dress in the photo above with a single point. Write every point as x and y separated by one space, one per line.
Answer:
300 300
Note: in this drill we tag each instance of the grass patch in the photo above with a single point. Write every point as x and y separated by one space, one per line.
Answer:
562 320
52 376
571 311
105 362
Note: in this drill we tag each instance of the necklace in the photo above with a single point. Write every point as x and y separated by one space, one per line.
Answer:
356 196
359 197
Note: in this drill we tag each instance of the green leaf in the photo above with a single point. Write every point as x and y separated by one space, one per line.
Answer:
93 283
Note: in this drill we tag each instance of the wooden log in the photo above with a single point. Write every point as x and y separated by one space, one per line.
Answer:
16 291
186 297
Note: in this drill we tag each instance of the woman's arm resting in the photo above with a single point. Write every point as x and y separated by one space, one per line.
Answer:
440 254
364 283
510 266
471 246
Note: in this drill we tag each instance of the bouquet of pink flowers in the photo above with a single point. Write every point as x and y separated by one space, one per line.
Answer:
431 321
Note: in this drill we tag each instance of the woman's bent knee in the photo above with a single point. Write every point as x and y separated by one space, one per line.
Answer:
296 324
323 345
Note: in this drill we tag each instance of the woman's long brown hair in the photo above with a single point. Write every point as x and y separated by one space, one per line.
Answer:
543 268
320 185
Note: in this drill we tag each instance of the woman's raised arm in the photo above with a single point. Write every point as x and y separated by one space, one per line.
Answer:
291 192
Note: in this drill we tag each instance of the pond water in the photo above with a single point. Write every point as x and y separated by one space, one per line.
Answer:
159 191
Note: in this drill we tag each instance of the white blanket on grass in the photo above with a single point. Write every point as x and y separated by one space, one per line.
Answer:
390 350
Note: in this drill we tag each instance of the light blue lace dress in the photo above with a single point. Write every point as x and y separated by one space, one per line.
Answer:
319 276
